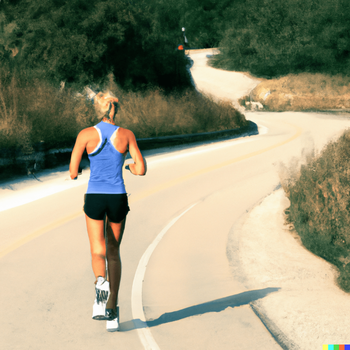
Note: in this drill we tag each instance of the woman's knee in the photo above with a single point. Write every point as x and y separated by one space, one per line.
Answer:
98 251
112 249
115 232
98 256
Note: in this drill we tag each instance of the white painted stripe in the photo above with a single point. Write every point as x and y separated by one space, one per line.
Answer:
139 319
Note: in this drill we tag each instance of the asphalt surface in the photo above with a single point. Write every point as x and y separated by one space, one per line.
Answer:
309 309
225 271
292 293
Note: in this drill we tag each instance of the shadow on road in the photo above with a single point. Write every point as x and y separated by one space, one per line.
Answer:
200 309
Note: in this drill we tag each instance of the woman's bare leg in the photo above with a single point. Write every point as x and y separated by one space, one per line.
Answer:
114 236
95 230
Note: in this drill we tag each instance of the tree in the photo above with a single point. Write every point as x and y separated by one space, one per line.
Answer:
76 41
270 38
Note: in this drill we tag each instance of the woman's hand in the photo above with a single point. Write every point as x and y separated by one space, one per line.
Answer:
132 168
136 169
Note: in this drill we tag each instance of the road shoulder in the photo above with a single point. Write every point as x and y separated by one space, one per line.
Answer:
309 309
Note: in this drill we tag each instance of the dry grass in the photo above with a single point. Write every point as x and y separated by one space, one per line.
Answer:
154 114
303 92
319 193
34 112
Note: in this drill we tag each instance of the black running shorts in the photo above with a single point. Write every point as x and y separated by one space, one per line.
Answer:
115 206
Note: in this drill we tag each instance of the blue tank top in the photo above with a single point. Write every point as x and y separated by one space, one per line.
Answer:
106 164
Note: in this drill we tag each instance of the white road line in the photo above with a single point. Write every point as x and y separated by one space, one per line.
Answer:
139 319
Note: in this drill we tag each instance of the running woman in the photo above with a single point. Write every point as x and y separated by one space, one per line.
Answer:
105 201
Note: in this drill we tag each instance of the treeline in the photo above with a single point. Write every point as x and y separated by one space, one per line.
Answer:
77 41
81 42
272 38
269 38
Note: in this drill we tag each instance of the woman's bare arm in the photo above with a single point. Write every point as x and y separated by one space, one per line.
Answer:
77 153
139 165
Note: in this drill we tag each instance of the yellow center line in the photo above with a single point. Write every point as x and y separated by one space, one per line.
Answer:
184 178
149 192
38 233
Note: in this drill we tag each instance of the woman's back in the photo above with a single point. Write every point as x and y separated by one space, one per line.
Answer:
106 162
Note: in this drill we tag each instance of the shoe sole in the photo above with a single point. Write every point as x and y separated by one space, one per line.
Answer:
99 312
100 318
112 326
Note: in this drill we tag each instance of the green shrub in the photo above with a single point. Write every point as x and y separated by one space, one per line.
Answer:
271 38
319 197
79 42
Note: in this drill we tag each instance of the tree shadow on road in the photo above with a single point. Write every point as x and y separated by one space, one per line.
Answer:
217 305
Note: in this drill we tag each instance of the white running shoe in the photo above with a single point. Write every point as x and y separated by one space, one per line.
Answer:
102 291
113 321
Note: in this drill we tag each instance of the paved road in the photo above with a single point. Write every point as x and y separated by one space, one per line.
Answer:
176 270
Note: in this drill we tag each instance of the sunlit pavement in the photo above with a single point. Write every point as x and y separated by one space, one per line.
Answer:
223 271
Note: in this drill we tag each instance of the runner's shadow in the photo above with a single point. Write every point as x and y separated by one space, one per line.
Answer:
217 305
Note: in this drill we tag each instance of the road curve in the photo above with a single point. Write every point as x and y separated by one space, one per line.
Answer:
184 209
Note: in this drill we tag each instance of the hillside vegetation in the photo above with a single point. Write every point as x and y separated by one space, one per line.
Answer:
80 42
319 204
51 49
77 41
36 116
302 92
270 38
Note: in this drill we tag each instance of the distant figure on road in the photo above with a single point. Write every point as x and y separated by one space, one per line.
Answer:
106 201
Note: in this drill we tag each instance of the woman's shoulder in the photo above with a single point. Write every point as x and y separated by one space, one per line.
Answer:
125 132
127 135
88 132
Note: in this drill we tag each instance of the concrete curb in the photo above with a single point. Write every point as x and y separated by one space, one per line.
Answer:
281 339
